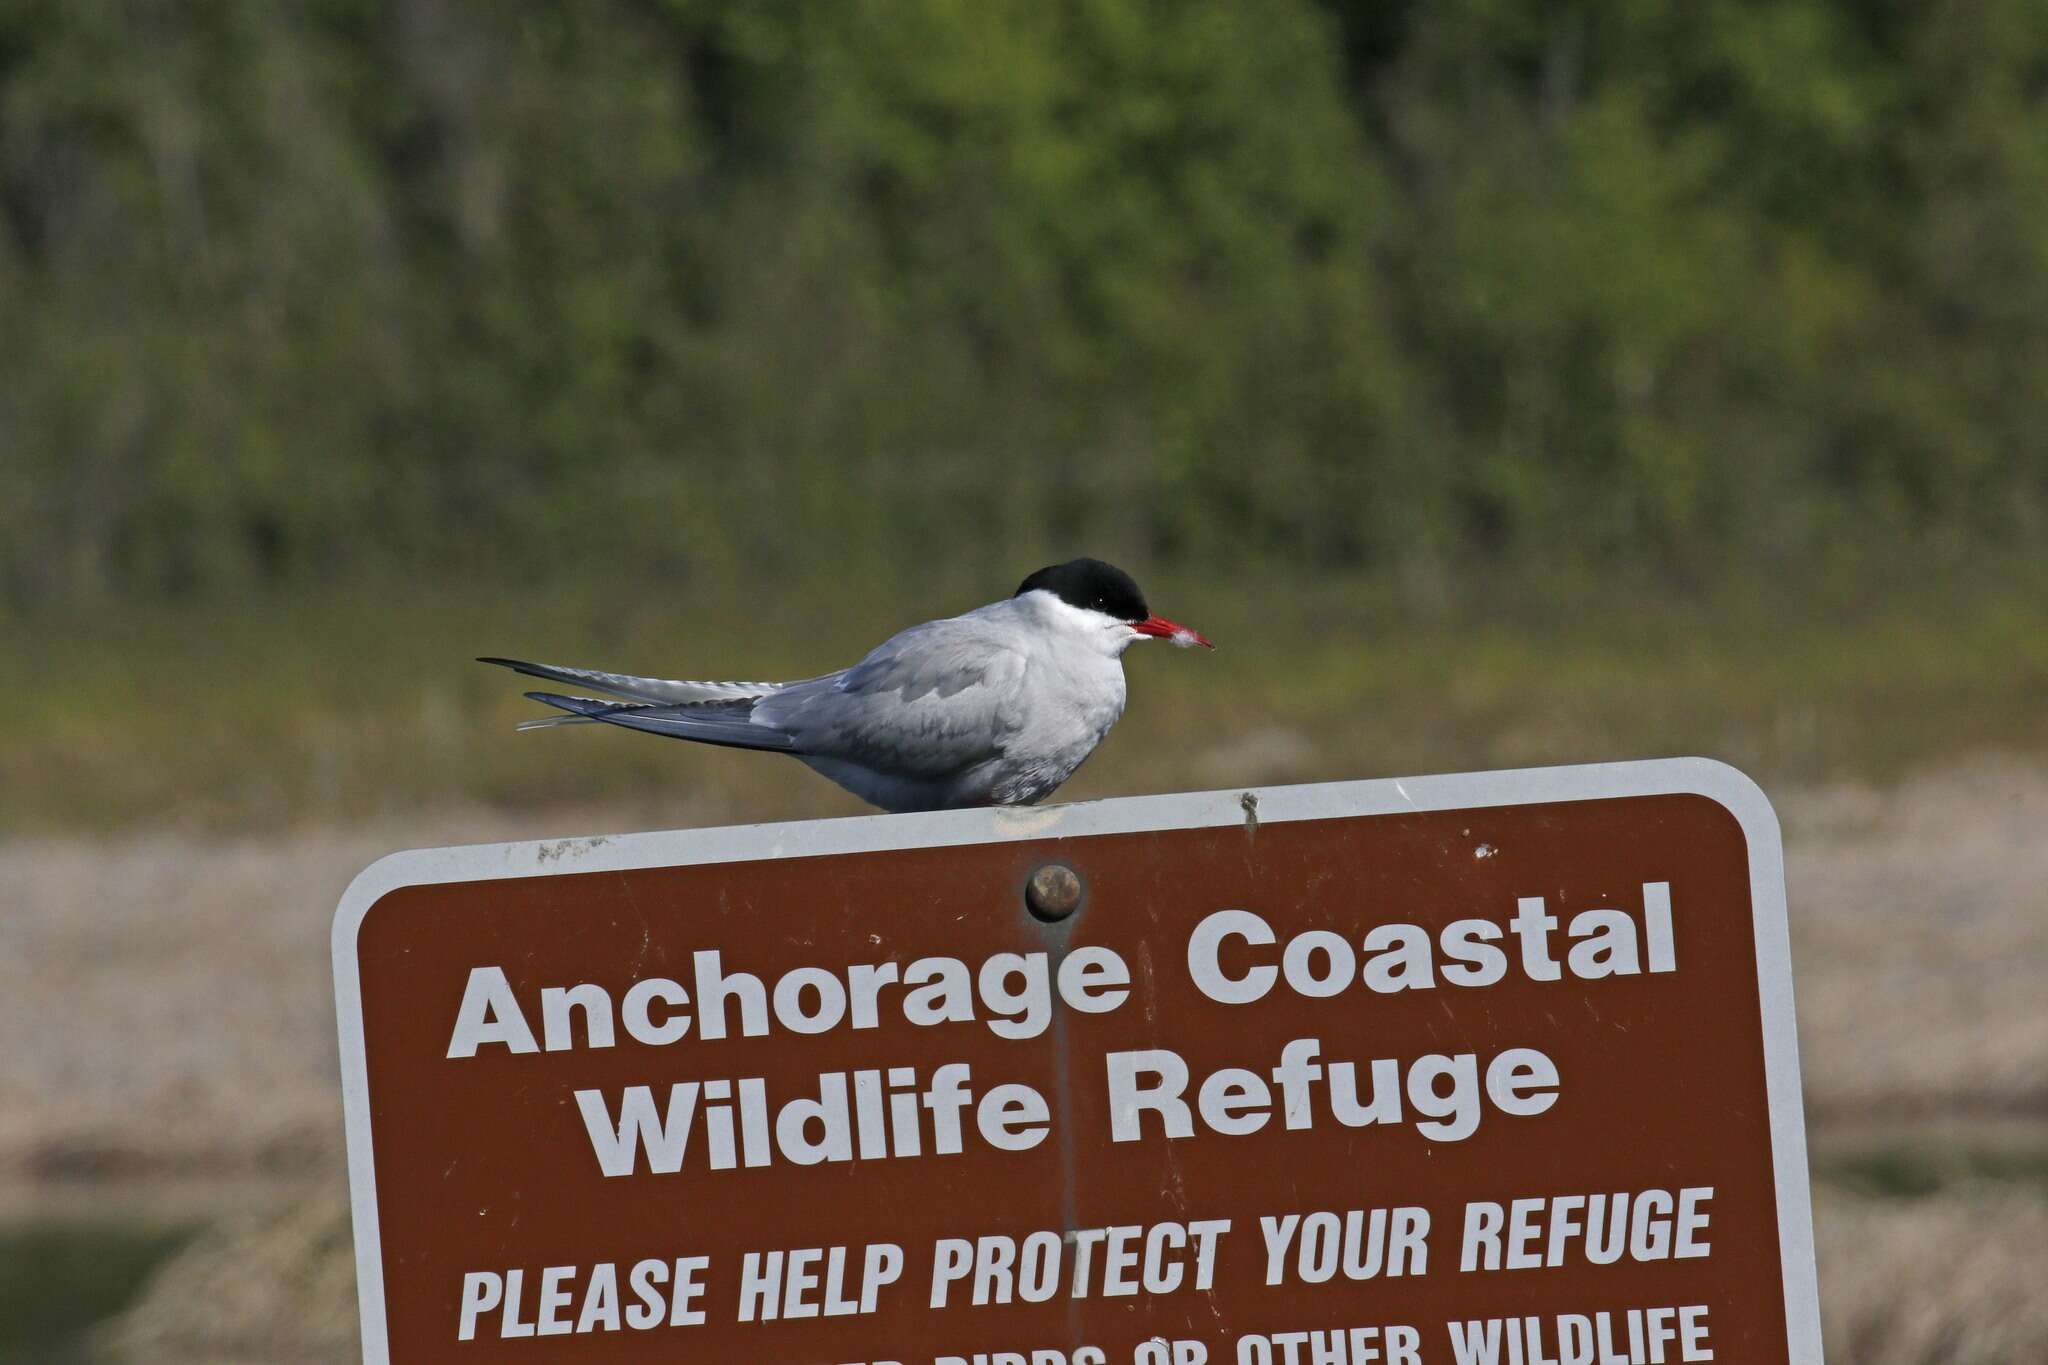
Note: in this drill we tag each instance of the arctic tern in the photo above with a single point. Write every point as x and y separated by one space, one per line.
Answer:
997 707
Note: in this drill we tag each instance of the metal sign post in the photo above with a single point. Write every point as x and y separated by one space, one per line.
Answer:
1485 1068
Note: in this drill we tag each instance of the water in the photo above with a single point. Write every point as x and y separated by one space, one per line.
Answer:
59 1280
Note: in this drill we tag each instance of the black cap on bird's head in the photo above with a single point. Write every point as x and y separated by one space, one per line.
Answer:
1092 585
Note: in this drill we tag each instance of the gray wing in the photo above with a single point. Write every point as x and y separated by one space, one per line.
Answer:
670 690
929 702
725 723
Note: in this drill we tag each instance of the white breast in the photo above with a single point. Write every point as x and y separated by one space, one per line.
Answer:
1071 694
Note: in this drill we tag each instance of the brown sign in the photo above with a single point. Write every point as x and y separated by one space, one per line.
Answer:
1495 1068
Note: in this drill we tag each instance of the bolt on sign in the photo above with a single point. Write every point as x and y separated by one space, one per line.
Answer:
1491 1069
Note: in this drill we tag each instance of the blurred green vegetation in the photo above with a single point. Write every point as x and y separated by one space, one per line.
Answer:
277 708
58 1279
1500 383
692 293
1916 1169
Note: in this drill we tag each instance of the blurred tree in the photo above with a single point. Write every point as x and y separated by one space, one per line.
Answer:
293 291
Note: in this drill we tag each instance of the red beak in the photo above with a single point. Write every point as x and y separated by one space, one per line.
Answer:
1164 629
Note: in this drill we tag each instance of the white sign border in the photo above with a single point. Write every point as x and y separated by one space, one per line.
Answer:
1727 786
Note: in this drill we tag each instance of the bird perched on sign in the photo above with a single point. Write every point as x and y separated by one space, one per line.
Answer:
994 708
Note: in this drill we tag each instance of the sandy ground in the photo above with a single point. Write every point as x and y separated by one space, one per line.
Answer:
194 1073
1920 945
